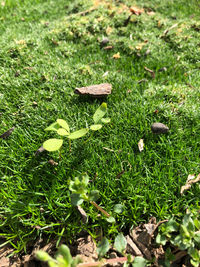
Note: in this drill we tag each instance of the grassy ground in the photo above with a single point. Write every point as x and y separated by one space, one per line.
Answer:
47 50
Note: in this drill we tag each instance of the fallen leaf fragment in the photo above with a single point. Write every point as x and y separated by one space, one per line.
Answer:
150 71
83 214
98 90
109 47
40 150
141 145
137 11
7 133
141 246
169 29
116 56
52 162
132 248
151 13
140 46
142 81
190 180
105 74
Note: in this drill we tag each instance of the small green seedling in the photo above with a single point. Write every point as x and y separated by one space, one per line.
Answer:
63 258
184 235
61 127
80 193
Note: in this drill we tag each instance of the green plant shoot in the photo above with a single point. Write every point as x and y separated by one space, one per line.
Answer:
62 128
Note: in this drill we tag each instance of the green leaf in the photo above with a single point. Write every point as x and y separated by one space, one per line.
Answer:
194 253
110 219
53 127
120 243
63 124
79 185
100 112
118 208
194 263
53 144
62 132
76 261
76 199
188 222
103 247
105 120
93 195
65 252
95 127
161 239
43 256
197 238
172 226
78 133
139 262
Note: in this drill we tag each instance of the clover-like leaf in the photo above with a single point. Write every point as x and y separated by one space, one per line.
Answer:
100 112
120 243
53 144
62 132
139 262
95 127
118 208
63 124
110 219
93 195
161 239
53 127
78 134
76 199
103 247
105 120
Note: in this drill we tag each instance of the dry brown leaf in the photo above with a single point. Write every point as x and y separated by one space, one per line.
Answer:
140 46
132 248
151 13
52 162
169 29
141 145
116 56
40 150
7 133
109 47
190 180
135 236
137 11
150 71
83 214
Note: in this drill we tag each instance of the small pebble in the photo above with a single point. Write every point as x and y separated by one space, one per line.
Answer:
159 128
104 41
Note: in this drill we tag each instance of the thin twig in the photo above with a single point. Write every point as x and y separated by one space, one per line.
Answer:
103 262
99 208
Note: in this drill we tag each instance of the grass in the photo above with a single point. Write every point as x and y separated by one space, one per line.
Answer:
47 50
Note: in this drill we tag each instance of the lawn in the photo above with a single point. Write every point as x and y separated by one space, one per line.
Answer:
49 48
